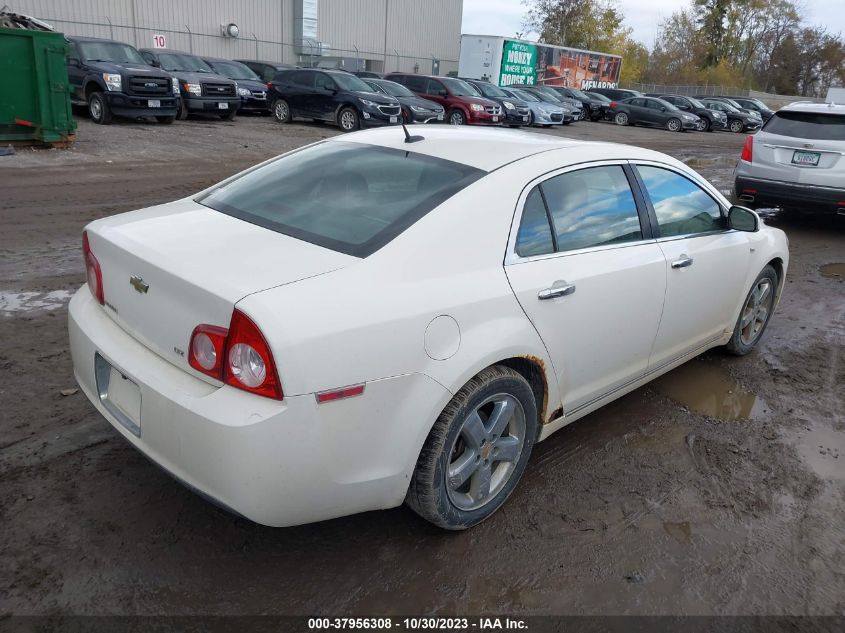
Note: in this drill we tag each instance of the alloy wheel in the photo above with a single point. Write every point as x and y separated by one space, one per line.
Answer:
347 120
621 118
96 109
736 126
756 312
485 452
456 118
674 125
702 125
281 111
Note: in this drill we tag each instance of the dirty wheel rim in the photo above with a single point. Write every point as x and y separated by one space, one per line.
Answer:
483 457
736 126
96 109
756 312
281 111
347 120
674 125
622 118
702 125
456 119
582 115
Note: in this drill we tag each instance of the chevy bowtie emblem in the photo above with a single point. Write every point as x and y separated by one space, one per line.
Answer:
139 284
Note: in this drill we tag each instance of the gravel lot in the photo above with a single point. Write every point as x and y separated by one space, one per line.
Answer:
718 489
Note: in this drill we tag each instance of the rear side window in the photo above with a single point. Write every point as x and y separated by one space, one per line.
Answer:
681 206
589 207
814 125
535 233
348 197
417 84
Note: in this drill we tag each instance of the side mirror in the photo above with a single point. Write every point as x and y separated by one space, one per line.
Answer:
742 219
663 108
73 61
155 62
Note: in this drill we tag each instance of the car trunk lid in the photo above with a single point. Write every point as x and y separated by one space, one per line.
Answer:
168 269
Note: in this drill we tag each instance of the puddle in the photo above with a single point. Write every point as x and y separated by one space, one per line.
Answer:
681 532
708 389
17 302
834 271
824 451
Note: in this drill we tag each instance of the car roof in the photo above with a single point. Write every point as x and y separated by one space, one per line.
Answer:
259 61
168 50
218 59
77 38
816 108
490 149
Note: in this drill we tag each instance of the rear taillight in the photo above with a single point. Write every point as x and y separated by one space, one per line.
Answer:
269 86
612 104
747 149
238 356
93 271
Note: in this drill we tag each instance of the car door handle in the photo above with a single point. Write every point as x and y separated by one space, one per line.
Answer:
683 262
558 289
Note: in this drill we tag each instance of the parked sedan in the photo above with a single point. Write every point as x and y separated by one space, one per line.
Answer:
335 96
591 103
366 321
541 113
653 112
414 108
754 113
550 96
752 104
738 121
709 119
251 89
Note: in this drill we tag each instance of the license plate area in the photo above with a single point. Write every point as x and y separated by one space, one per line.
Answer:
806 159
154 103
394 119
222 106
118 394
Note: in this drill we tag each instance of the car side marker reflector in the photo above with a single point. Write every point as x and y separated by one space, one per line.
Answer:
339 394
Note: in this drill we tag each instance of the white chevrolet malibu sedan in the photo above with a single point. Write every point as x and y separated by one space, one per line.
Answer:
375 319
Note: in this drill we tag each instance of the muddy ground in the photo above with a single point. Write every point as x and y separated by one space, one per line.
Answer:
719 489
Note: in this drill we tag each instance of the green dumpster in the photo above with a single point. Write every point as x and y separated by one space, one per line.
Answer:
35 92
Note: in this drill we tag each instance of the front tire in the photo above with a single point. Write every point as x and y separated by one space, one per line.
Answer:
621 118
755 313
348 120
98 108
182 114
704 125
736 126
456 117
674 125
476 451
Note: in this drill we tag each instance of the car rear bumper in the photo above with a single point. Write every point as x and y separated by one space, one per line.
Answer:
762 193
275 462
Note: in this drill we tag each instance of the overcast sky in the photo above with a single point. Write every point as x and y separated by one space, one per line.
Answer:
504 17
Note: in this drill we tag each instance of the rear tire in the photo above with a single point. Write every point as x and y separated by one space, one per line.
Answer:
281 111
476 451
98 108
755 314
621 118
736 126
674 125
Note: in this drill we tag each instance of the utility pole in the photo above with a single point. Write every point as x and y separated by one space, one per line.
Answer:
386 6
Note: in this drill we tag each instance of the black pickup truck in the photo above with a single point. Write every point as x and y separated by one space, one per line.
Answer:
203 91
112 79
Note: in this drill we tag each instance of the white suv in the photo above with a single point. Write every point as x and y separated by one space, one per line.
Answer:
797 161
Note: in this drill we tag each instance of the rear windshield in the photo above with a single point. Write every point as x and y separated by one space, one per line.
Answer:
815 125
348 197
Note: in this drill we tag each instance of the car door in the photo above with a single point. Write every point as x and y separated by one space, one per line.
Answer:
656 112
706 263
299 92
436 91
584 267
75 72
637 112
324 102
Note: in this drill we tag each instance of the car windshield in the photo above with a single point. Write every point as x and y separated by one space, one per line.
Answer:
186 63
394 89
489 90
600 97
666 104
810 125
721 105
348 197
350 82
234 70
548 95
578 93
459 88
525 95
695 102
110 52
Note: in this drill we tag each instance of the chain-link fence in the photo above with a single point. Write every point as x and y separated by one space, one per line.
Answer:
689 91
248 46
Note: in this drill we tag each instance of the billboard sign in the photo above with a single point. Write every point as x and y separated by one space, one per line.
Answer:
528 64
519 64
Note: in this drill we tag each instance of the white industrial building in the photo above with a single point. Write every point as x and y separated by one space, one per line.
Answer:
379 35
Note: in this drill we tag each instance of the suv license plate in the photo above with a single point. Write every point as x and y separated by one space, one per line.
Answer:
223 106
495 119
439 117
525 119
154 103
810 159
394 119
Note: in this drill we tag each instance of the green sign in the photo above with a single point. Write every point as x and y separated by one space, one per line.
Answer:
519 64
